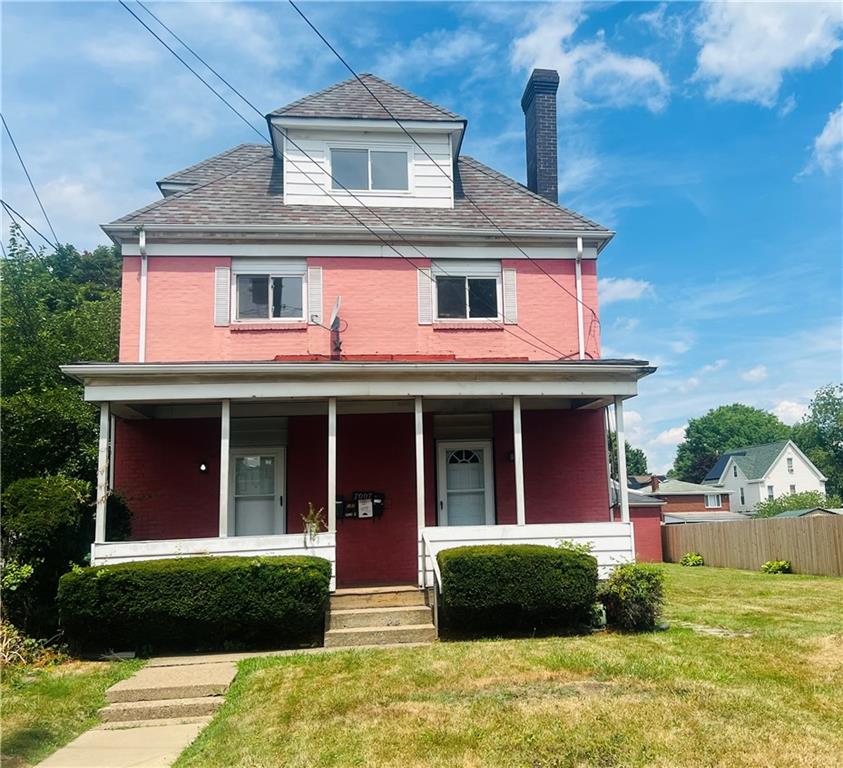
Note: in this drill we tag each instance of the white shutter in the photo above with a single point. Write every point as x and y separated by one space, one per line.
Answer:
510 297
314 295
222 296
425 291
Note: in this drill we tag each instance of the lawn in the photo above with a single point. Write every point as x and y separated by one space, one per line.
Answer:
749 674
45 708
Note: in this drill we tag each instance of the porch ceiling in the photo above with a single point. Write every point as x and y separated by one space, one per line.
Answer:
580 381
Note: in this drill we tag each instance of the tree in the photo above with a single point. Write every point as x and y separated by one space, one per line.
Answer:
720 430
804 500
636 459
820 435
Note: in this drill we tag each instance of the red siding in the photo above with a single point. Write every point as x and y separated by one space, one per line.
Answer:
156 469
647 524
307 467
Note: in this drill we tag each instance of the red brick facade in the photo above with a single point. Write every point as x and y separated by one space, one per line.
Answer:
692 503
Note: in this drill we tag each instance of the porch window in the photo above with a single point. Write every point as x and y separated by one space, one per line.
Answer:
370 169
712 501
270 297
464 292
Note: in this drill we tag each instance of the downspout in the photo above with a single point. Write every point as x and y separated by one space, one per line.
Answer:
144 268
580 330
606 432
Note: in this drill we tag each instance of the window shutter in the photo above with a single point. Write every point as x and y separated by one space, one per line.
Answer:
425 291
510 297
314 295
222 296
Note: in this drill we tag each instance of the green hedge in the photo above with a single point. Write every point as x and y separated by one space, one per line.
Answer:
504 587
195 603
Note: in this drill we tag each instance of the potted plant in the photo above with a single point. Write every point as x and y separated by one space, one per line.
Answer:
314 521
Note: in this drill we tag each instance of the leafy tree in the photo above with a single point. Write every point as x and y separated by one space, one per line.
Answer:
820 435
804 500
720 430
636 459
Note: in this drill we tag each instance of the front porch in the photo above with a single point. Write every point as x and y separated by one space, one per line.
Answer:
417 460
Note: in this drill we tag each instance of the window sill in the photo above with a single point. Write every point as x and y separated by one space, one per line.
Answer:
245 327
465 326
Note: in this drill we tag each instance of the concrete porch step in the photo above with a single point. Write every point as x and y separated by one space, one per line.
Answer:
376 597
354 636
161 709
394 616
186 682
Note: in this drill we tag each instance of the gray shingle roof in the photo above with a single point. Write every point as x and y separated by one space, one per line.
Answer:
673 487
349 99
251 192
754 460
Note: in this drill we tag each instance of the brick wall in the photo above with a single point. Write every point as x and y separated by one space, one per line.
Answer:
647 524
692 504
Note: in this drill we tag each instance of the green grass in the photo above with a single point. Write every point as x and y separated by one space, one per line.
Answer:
45 708
681 697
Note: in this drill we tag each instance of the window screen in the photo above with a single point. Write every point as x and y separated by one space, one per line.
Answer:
252 296
482 297
287 297
389 170
450 297
350 168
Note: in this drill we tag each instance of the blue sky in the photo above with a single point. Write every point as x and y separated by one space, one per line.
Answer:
707 135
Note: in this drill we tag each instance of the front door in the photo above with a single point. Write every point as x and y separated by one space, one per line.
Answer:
466 492
257 491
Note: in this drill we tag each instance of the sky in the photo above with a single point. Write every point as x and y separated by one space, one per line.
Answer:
709 136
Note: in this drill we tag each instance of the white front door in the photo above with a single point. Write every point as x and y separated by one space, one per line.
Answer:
466 492
257 491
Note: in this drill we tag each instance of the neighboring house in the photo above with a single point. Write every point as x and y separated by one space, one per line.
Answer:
645 512
811 512
681 497
410 355
761 472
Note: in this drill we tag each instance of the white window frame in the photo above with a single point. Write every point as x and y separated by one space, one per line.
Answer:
269 274
442 448
370 147
280 500
789 461
734 470
743 498
771 492
716 497
485 272
792 489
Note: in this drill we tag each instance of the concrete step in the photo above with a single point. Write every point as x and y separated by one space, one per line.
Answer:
160 709
188 682
379 617
354 636
119 725
376 597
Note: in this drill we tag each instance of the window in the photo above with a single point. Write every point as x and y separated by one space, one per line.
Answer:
792 489
735 470
743 499
270 297
712 501
770 493
461 298
370 169
790 465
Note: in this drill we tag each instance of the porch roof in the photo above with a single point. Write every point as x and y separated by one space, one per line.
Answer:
594 382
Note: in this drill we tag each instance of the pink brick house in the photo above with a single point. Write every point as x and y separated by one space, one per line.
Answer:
362 317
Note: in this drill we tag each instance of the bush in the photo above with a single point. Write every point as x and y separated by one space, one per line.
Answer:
200 603
692 559
776 566
633 596
501 587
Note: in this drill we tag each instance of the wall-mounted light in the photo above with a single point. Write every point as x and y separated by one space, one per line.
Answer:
203 467
510 457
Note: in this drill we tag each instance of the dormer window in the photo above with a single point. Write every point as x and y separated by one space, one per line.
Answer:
364 170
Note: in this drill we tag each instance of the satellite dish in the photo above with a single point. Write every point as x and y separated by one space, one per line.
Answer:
335 311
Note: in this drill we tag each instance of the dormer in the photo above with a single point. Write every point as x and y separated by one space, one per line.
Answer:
341 147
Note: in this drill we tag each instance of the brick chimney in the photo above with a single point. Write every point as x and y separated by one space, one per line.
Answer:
539 105
654 483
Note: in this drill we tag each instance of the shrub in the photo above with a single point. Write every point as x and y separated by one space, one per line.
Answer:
692 559
776 566
500 587
195 603
633 596
17 650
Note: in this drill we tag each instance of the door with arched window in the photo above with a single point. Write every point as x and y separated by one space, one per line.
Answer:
465 480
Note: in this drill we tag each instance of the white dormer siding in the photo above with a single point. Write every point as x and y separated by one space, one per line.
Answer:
307 180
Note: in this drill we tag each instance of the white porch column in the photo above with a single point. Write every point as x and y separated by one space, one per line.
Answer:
102 473
420 517
620 438
520 512
225 439
332 464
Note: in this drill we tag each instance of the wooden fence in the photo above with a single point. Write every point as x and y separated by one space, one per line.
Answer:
812 544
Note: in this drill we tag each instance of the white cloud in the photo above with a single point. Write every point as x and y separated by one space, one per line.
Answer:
434 51
789 411
747 48
828 146
664 24
717 365
591 74
692 382
626 324
755 375
679 346
672 436
613 289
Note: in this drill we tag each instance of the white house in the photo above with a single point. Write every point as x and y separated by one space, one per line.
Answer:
761 472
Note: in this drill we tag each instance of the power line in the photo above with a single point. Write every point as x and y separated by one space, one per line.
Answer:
439 167
29 178
547 346
12 212
20 229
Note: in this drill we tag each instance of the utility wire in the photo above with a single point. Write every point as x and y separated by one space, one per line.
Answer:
28 178
439 167
12 211
544 343
20 229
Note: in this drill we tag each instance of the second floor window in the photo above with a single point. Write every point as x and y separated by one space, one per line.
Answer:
712 501
270 297
369 169
462 298
790 465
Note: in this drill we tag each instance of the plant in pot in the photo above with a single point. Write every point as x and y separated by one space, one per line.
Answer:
314 521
